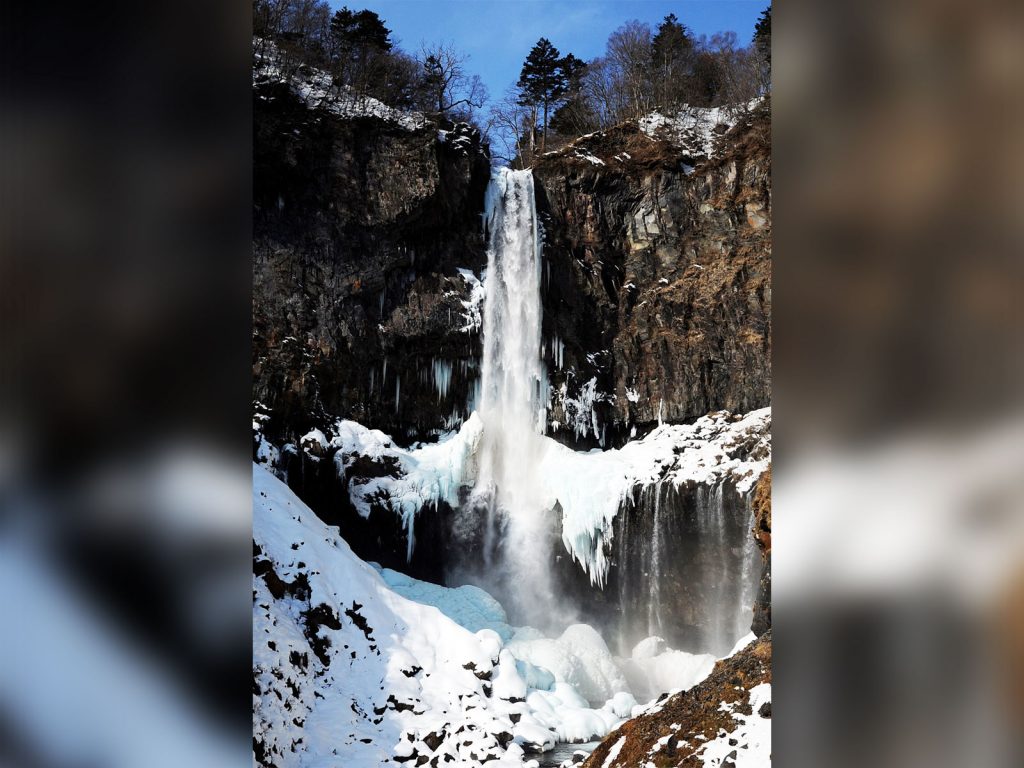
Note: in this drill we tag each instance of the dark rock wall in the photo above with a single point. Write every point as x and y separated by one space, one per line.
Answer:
684 567
660 276
359 228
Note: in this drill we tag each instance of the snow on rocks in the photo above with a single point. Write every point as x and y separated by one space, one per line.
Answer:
344 666
317 89
753 730
695 128
588 157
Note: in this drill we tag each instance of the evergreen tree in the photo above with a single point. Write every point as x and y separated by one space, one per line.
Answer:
434 82
359 40
575 116
543 82
360 29
763 46
672 54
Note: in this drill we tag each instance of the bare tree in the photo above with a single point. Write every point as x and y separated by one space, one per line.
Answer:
297 30
508 126
449 89
598 89
629 54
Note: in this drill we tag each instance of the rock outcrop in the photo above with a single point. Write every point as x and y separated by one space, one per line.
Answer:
658 294
361 226
763 536
710 724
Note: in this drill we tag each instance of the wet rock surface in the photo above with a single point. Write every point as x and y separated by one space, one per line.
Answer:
763 536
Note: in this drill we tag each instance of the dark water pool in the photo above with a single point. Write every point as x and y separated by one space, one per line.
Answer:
553 758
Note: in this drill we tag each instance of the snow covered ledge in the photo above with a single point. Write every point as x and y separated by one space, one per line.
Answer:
590 488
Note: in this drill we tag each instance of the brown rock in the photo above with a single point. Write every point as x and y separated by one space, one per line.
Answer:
697 712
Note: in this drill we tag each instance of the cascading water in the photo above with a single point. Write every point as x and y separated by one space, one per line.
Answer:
686 566
513 389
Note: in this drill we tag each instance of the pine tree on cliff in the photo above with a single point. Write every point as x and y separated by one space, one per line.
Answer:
542 83
359 38
576 116
672 54
763 47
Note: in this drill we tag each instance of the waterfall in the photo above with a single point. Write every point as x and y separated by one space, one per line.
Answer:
692 577
512 399
654 626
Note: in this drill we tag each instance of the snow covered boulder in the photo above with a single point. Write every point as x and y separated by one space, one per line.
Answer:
579 657
653 669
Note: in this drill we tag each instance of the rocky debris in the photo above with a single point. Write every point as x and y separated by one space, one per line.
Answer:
658 287
730 710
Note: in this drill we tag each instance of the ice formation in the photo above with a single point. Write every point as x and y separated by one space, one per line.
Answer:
590 487
653 668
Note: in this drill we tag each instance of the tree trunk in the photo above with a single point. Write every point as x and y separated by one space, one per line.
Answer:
544 136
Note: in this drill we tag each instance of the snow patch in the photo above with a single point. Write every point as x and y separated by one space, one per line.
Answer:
750 742
695 128
317 89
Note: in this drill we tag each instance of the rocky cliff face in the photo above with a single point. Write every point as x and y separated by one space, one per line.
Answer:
368 245
360 227
368 248
658 297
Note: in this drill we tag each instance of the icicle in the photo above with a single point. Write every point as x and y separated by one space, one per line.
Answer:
442 374
398 386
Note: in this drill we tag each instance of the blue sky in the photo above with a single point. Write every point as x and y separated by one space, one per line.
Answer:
497 34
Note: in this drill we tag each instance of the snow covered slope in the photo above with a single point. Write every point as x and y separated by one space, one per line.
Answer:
348 672
316 88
